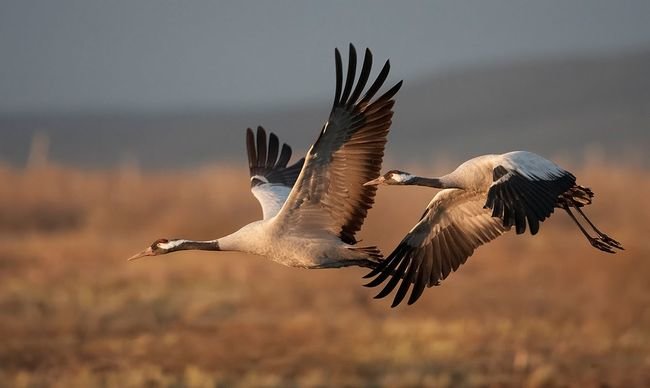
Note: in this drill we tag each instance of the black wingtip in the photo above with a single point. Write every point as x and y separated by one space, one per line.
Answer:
261 146
349 79
250 148
374 282
369 275
363 78
390 93
385 291
285 156
339 76
401 293
379 81
274 148
385 268
380 274
377 270
394 280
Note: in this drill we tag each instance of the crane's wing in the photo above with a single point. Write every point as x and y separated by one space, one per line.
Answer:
452 227
271 178
329 195
526 187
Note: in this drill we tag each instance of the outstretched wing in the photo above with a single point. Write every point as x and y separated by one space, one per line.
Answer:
271 178
452 227
526 188
329 195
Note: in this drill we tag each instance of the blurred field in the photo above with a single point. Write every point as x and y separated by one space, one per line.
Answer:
530 311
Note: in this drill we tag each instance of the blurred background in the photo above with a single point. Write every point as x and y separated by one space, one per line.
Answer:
123 122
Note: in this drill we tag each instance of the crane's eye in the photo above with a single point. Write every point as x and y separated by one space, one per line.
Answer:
390 173
159 241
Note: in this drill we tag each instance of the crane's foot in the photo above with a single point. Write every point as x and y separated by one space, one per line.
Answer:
601 245
611 242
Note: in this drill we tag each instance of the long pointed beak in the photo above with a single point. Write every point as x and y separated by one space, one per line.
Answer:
146 252
375 182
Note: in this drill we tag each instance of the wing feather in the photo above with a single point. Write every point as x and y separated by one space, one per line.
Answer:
525 190
271 178
453 226
329 195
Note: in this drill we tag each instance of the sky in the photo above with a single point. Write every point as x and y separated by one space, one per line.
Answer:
162 55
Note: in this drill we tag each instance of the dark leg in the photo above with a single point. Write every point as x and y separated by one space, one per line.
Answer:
595 242
603 236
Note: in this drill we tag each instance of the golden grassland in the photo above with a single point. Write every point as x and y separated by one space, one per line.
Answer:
547 310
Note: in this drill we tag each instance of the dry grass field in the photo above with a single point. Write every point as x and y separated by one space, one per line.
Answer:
529 311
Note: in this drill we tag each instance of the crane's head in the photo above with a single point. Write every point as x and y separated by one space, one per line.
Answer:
158 247
392 177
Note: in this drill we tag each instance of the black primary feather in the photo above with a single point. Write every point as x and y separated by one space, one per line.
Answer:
263 159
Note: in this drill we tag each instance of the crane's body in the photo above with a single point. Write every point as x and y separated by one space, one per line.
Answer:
476 174
480 200
313 208
268 238
478 171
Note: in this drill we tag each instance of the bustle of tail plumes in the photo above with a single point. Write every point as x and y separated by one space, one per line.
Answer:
374 254
577 196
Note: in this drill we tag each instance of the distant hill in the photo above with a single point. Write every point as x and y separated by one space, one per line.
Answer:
551 107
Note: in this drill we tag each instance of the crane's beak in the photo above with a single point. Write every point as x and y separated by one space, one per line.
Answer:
375 182
146 252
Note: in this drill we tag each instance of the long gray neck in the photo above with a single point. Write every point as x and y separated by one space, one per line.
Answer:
443 182
438 183
422 181
187 245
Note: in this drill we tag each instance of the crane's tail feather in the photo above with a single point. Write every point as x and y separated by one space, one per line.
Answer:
372 252
577 196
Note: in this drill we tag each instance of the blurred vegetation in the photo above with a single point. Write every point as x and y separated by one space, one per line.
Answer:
547 310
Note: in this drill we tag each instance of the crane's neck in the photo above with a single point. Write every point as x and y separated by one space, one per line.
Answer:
439 183
192 245
422 181
243 240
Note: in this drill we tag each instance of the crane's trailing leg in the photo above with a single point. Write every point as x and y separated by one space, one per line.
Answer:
578 197
605 238
594 241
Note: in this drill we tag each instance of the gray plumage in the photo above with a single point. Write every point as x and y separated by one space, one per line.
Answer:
313 208
482 199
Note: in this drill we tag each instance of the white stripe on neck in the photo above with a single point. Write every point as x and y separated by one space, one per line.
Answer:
401 178
171 244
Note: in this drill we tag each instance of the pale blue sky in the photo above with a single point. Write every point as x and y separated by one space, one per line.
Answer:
160 55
